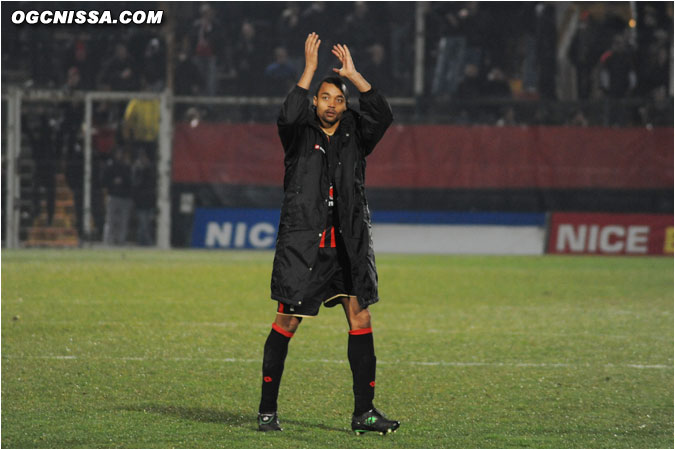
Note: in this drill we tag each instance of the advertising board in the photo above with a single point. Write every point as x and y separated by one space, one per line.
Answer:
393 231
611 234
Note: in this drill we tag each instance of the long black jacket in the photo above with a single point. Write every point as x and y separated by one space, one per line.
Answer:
306 184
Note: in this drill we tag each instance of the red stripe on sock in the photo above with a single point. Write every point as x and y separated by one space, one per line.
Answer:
332 237
281 331
360 331
322 244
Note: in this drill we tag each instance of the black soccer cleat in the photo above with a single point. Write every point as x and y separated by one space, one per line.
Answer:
374 420
268 422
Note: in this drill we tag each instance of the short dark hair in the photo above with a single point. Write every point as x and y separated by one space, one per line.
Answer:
335 81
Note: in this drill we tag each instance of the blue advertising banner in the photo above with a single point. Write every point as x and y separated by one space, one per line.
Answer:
235 228
242 228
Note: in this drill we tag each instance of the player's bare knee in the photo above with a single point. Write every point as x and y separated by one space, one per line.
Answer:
360 320
288 323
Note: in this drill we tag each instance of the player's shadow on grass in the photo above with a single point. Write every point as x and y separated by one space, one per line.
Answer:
213 415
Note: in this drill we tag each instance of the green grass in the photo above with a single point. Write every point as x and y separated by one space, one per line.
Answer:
163 349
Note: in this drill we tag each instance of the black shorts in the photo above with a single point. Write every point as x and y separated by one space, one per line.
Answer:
330 281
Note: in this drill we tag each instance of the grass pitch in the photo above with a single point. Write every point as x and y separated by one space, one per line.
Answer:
134 348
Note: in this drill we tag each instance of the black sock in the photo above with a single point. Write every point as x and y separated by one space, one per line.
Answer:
276 348
361 354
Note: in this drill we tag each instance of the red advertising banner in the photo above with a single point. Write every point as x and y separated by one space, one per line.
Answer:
611 234
222 153
446 157
442 156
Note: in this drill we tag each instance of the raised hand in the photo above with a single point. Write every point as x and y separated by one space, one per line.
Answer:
311 60
342 53
312 44
348 70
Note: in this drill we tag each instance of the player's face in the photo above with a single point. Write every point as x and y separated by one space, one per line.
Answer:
330 104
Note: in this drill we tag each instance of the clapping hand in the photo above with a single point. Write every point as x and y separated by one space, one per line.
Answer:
312 44
342 53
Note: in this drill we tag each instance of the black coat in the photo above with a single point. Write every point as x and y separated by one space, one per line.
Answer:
306 181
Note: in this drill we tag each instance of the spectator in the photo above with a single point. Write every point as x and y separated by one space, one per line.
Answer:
579 119
43 61
655 69
401 50
188 78
144 188
280 75
117 182
617 72
360 28
73 80
78 57
659 112
44 143
154 65
140 126
248 64
118 72
475 26
584 53
652 17
193 116
542 115
508 118
376 70
314 17
617 80
496 86
450 49
289 30
461 27
472 86
546 50
207 39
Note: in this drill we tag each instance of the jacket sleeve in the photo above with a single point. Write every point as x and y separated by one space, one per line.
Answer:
294 112
376 116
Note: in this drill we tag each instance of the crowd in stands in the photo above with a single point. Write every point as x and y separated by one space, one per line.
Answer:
473 49
243 48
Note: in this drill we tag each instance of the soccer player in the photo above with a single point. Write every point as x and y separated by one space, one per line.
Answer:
324 252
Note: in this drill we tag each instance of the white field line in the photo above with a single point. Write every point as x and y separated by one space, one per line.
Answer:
341 361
